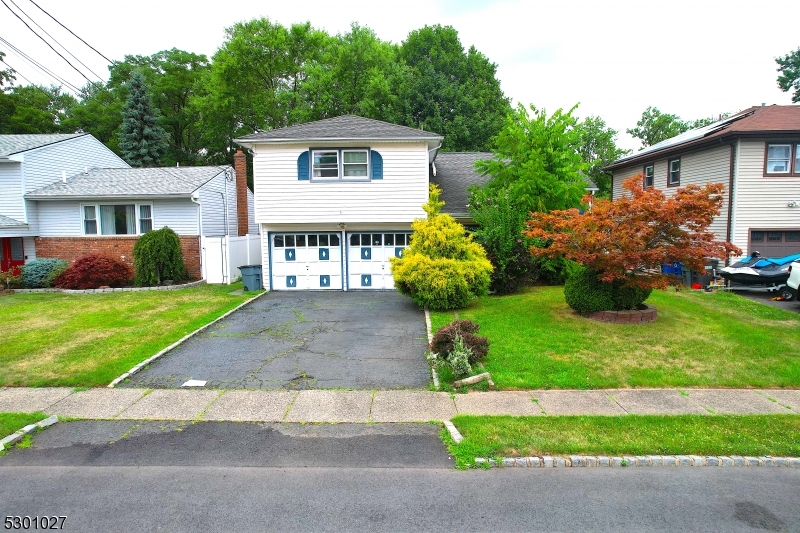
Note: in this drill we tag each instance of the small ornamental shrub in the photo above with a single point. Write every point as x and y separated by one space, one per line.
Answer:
442 268
586 293
94 271
459 358
157 256
38 274
444 341
10 279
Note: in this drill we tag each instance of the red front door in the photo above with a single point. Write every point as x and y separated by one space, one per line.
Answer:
12 254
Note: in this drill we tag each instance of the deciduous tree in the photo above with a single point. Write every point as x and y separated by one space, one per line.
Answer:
598 148
789 77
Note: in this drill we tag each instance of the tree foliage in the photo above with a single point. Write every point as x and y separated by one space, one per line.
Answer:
598 148
442 268
157 256
628 239
536 160
142 140
450 91
36 109
789 77
655 126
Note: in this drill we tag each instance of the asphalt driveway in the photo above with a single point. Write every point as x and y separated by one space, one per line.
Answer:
304 340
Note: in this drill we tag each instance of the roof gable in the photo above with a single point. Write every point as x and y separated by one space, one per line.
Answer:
14 144
341 128
116 182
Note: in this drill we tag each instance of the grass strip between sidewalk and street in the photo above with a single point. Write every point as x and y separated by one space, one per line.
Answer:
87 340
508 436
699 340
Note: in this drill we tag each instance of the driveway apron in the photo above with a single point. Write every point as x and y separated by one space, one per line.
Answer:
304 340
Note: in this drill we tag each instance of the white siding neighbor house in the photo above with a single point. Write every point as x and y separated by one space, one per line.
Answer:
755 154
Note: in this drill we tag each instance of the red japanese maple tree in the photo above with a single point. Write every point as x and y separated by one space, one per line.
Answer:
628 239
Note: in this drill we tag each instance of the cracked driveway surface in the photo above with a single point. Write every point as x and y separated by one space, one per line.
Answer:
304 340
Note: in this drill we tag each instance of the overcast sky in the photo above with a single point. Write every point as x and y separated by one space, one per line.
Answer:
694 59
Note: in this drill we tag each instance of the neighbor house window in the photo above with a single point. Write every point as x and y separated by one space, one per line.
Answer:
336 164
779 158
674 172
649 175
118 219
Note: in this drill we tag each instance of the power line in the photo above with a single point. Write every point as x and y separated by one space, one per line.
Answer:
16 73
56 40
47 72
69 30
45 42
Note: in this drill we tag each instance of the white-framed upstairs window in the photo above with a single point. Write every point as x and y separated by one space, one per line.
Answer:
649 175
674 178
345 164
779 159
117 219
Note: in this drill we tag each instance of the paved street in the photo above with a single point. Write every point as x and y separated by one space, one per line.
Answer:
251 477
304 340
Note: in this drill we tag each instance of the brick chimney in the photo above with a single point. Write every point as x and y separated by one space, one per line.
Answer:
240 166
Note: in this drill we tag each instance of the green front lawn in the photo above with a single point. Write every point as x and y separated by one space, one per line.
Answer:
507 436
699 340
87 340
11 422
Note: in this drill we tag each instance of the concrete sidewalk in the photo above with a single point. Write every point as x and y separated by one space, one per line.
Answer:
385 406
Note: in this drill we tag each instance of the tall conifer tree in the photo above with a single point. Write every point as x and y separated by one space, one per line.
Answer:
143 141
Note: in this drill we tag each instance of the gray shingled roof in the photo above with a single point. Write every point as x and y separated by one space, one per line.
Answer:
454 173
345 127
14 144
6 222
113 182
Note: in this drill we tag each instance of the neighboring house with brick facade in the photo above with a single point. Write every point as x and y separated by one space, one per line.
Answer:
105 210
755 154
29 162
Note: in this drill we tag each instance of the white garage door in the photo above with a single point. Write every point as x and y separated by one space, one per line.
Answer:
368 256
303 261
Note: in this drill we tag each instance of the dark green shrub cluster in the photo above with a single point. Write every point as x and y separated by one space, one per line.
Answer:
443 342
587 294
41 273
94 271
157 256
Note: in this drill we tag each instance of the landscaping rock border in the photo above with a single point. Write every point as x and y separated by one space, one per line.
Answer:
637 316
574 461
118 289
15 437
177 343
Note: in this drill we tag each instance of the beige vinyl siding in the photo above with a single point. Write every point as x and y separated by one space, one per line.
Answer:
44 166
698 168
762 202
281 198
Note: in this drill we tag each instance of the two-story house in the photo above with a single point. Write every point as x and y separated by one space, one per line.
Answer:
335 199
755 154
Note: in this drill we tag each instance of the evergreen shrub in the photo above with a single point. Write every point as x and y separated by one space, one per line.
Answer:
40 273
157 256
444 340
94 271
585 293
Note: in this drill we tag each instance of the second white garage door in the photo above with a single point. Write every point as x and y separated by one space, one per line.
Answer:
368 256
302 261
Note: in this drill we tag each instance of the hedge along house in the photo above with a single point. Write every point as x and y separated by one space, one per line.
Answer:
335 198
27 163
105 210
755 154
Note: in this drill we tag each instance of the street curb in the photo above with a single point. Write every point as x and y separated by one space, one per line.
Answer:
578 461
430 338
454 433
177 343
15 437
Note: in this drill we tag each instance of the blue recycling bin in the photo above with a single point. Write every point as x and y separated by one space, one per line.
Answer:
251 277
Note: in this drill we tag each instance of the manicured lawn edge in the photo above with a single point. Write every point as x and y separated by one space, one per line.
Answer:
16 426
702 435
180 341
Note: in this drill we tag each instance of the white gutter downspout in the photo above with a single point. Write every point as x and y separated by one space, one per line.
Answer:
196 200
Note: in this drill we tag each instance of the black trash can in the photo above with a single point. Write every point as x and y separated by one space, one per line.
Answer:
251 277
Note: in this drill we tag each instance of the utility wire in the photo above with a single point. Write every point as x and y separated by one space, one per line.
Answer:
56 40
16 73
69 30
45 42
47 72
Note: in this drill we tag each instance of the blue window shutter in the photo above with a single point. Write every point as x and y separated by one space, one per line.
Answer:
377 165
302 166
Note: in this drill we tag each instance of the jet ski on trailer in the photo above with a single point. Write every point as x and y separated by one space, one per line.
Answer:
757 270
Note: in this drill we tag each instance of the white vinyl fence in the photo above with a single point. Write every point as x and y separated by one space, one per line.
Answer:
222 256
